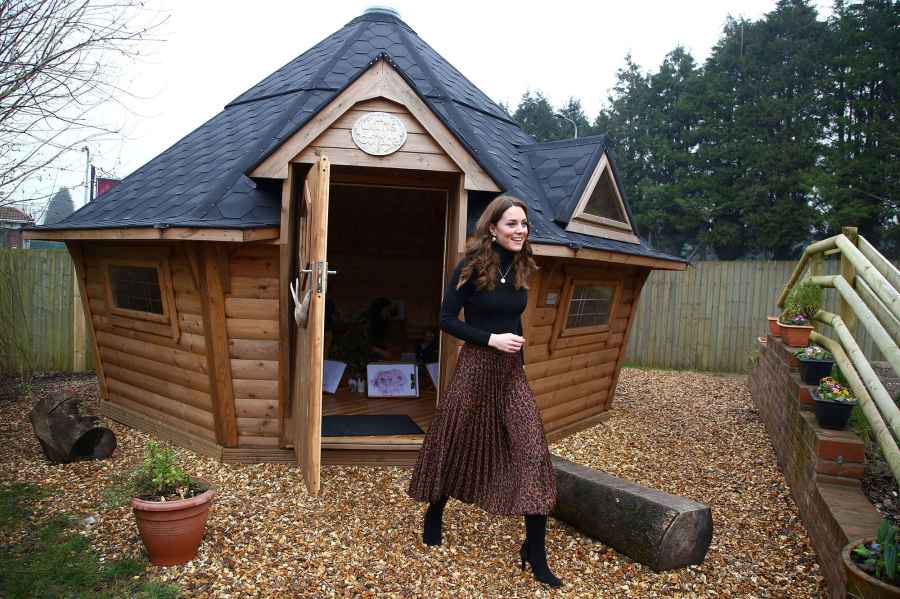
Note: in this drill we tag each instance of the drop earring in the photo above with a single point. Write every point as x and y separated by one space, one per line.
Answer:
493 237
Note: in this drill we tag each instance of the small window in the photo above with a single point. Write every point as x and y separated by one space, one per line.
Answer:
136 288
590 306
600 210
139 293
604 201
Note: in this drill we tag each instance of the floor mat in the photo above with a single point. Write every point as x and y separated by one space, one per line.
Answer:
369 424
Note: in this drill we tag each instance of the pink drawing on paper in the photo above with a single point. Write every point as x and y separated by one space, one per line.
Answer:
390 381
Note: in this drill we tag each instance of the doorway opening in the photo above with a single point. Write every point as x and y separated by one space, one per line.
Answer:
387 245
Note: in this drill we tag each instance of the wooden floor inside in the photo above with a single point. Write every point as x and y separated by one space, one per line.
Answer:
344 402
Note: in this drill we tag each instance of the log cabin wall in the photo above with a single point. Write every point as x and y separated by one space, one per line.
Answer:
251 312
573 377
153 369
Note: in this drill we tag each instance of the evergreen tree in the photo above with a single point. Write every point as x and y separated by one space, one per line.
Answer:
535 115
788 132
762 132
652 122
859 181
60 207
573 110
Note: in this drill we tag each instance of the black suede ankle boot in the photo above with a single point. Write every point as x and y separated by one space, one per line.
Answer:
534 551
431 533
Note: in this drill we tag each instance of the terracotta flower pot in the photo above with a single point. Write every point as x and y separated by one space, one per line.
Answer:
172 530
773 326
859 583
795 335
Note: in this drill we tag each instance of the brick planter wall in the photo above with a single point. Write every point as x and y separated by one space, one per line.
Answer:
822 467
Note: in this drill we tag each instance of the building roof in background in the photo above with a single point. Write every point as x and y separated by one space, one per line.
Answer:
13 214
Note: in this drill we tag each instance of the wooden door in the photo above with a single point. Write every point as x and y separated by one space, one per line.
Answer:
310 288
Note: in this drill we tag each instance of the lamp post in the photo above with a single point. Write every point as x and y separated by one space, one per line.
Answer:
87 175
574 124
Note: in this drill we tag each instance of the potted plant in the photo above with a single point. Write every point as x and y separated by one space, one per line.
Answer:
794 327
773 326
170 507
815 362
834 403
800 307
871 565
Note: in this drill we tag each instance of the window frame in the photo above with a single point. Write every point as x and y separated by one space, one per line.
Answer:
574 281
138 319
598 226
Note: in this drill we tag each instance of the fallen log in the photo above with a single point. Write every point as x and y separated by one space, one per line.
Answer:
65 434
651 527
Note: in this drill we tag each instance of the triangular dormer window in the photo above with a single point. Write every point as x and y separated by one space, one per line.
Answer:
600 210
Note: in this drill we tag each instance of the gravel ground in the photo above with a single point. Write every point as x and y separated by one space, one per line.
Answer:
685 433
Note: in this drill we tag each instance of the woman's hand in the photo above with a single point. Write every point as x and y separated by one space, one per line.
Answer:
506 342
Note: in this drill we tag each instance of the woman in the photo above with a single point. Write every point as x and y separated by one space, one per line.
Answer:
486 443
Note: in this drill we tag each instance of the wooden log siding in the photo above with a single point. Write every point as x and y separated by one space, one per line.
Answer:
252 321
145 369
574 381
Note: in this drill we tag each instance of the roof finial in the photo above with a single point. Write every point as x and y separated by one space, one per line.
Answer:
382 9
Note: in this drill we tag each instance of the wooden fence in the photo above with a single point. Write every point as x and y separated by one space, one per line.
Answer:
37 324
705 318
709 316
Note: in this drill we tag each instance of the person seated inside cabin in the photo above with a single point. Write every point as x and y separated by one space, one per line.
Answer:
377 318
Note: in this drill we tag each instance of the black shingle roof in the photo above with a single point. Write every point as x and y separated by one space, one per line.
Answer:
201 180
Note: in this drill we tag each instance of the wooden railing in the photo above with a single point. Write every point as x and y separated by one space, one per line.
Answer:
868 289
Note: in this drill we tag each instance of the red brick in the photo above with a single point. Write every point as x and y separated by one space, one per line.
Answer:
846 469
831 448
803 395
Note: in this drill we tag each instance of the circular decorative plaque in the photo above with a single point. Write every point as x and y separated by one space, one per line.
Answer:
379 133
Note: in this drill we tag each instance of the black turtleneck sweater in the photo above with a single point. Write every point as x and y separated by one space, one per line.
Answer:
497 311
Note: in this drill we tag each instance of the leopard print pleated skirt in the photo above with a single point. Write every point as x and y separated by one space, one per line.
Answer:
486 443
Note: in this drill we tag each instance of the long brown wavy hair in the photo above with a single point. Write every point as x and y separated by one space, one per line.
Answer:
480 259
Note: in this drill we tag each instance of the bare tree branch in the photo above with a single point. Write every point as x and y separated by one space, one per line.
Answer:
59 62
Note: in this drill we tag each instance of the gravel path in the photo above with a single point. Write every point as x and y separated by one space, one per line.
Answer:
685 433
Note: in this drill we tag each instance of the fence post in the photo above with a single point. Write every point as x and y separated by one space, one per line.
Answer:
848 272
78 329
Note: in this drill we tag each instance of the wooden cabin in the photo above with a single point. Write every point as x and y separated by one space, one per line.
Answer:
371 156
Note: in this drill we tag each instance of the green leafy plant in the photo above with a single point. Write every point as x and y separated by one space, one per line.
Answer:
807 299
791 316
838 375
814 352
159 476
832 390
879 558
801 304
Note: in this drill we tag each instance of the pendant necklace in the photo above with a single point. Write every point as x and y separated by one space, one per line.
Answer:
503 276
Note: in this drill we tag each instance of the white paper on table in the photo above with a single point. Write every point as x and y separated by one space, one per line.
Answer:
434 371
392 379
334 370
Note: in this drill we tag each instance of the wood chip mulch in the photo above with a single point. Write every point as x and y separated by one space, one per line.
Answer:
685 433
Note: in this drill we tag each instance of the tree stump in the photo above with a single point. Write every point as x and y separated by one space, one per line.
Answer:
653 528
66 435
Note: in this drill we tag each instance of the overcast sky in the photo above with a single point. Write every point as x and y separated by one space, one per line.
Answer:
211 51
